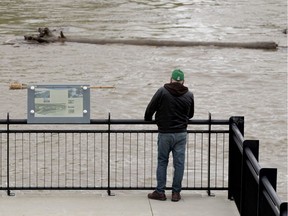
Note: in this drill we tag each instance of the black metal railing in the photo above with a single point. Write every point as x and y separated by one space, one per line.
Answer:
113 154
106 155
253 188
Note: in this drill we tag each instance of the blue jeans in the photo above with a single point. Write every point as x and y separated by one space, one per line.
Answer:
167 142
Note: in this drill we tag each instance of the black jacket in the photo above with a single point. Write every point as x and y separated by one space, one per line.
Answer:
174 106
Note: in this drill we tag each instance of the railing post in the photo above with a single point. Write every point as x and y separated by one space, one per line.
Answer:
249 185
209 155
8 157
284 209
109 154
234 164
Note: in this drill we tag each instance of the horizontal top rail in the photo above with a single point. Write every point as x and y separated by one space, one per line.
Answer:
103 131
238 137
271 192
256 166
123 121
237 132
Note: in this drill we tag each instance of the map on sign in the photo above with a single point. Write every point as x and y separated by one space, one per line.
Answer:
66 102
58 104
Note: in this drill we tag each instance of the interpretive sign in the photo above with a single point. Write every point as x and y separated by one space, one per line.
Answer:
58 104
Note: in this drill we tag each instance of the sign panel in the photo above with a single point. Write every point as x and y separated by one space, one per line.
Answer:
58 104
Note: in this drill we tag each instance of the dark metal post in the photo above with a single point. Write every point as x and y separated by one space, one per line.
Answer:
284 209
8 160
8 157
209 155
249 189
109 153
233 166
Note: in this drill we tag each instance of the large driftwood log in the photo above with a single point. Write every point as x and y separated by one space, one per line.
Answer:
46 36
251 45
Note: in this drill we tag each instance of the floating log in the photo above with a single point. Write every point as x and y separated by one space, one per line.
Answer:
47 36
249 45
19 86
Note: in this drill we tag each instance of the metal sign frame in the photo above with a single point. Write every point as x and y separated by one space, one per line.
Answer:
58 104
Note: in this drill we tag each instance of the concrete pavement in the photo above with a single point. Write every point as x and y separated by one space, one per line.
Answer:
126 203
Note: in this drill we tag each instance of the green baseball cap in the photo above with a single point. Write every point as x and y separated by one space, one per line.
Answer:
177 75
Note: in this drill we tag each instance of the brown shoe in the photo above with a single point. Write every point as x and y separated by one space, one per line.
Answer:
157 196
175 196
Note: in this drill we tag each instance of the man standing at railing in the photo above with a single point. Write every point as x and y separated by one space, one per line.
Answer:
173 105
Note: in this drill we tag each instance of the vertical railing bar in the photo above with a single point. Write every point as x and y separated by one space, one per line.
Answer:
216 158
37 154
223 163
65 158
123 156
1 151
94 156
8 156
22 160
116 158
195 140
109 153
51 157
58 160
2 159
80 158
2 169
87 160
73 159
144 134
209 155
15 159
130 154
101 159
137 177
44 159
187 160
30 165
152 156
31 157
202 140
